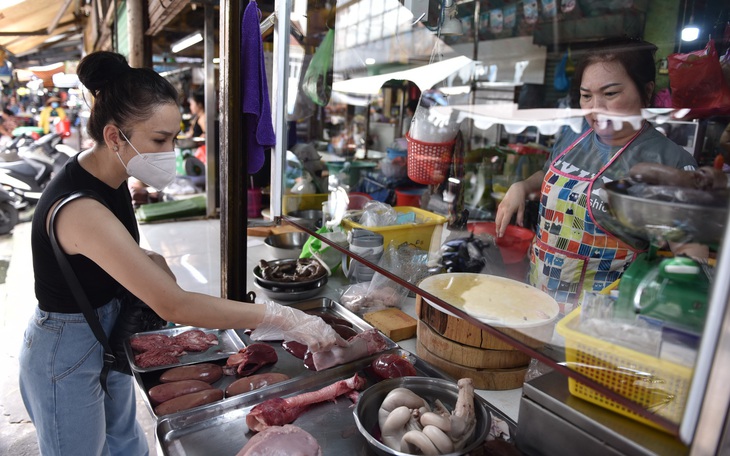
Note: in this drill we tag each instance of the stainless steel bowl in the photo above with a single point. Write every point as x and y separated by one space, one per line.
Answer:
430 389
286 245
309 218
296 294
652 219
308 283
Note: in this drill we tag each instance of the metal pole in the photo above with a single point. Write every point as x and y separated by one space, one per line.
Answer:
211 140
280 85
233 156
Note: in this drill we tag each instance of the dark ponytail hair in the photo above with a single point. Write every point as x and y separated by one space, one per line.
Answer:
122 95
636 56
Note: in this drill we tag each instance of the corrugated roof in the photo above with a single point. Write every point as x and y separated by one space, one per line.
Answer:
31 26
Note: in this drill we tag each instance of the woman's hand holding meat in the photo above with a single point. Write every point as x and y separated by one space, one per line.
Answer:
288 323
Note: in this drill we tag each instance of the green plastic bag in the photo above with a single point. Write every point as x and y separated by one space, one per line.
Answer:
325 253
317 82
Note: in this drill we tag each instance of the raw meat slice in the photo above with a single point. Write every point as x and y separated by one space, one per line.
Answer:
364 344
250 359
280 411
196 340
145 342
295 348
157 357
392 366
284 440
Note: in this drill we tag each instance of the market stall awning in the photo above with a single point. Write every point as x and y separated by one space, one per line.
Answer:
548 121
31 25
425 77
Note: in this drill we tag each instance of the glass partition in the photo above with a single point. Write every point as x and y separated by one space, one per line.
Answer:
523 168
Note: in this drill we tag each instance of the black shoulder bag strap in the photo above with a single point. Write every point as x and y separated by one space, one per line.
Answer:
73 283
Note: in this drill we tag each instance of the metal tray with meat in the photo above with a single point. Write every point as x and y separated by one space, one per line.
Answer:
180 345
221 428
251 366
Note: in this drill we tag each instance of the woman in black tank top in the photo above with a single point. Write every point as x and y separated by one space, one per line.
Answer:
134 122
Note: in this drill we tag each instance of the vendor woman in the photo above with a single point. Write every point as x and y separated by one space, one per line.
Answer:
577 247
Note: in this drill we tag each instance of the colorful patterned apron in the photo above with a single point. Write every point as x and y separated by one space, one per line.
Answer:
572 253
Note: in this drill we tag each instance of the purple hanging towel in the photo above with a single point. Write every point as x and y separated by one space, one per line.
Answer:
258 130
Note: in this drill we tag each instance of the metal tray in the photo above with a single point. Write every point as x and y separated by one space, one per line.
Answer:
229 342
287 363
220 428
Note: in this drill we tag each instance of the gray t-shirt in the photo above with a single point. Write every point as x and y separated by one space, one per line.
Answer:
590 155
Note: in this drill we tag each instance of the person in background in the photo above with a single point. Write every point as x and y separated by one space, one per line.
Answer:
410 112
197 109
13 106
8 123
134 121
49 113
579 245
376 114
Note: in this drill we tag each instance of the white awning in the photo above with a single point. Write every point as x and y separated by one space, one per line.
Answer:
548 121
425 77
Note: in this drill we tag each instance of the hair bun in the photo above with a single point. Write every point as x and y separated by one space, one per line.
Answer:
97 69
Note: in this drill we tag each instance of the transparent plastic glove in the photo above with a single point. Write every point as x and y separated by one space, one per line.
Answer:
288 323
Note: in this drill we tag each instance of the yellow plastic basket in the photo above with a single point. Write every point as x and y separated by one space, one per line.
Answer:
302 202
418 233
658 385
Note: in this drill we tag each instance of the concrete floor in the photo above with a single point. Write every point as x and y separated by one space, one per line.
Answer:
17 301
192 250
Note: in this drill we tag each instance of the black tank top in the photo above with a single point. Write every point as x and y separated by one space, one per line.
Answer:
197 129
51 289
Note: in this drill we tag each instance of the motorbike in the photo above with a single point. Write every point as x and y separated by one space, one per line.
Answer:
24 179
8 212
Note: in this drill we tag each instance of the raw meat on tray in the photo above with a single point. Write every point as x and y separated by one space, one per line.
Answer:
147 342
250 359
364 344
284 440
152 350
196 340
280 411
159 357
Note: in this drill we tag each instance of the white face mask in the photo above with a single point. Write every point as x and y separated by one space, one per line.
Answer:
156 169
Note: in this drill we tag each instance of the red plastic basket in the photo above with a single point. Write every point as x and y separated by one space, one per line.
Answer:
428 163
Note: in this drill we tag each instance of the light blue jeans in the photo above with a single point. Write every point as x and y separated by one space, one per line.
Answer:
60 363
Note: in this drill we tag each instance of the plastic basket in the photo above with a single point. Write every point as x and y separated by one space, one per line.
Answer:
428 163
513 246
302 202
418 233
658 385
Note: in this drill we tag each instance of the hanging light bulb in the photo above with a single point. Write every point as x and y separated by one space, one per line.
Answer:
690 32
451 25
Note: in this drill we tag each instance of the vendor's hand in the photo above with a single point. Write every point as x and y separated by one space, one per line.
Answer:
288 323
161 262
513 201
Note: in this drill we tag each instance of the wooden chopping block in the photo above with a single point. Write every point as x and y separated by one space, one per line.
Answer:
465 355
463 332
487 379
264 231
394 323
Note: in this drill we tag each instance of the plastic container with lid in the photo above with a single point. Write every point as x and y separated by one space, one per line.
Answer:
367 245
